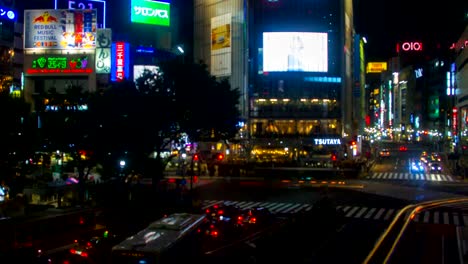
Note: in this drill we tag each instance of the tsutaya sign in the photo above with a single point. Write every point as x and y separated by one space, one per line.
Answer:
327 141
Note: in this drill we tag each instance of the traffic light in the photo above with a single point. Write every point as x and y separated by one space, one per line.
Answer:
333 157
195 157
219 156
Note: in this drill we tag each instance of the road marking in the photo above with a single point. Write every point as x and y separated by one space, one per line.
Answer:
371 211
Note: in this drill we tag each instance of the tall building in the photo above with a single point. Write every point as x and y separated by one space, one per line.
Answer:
292 61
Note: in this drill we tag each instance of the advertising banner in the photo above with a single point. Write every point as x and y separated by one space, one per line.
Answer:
120 68
376 67
150 12
60 29
103 50
60 64
221 45
99 5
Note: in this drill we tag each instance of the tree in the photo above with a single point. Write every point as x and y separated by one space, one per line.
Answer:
15 135
146 117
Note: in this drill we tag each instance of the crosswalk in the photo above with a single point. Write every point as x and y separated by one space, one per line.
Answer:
449 217
434 177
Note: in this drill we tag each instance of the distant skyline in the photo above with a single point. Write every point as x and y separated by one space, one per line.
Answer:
385 22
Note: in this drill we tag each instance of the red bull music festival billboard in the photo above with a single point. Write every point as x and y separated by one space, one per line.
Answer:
60 29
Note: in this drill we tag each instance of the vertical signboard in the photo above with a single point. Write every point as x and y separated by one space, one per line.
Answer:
99 5
59 29
120 61
221 45
103 50
150 12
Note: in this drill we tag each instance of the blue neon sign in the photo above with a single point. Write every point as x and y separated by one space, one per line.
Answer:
7 13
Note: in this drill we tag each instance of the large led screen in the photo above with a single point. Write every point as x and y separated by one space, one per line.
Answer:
295 51
150 12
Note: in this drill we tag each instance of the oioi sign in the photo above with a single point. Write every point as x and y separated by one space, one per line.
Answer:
150 12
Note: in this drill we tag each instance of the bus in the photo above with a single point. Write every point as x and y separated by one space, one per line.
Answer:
171 239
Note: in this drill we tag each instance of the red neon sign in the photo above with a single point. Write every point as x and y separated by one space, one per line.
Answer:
120 50
454 120
411 46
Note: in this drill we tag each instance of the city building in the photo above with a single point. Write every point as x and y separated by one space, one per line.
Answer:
292 62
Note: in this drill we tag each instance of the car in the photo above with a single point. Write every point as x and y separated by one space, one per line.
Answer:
435 167
384 153
417 166
256 215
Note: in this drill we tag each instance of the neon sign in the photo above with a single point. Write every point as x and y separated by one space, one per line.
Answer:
150 12
410 46
59 65
99 5
120 49
10 14
120 61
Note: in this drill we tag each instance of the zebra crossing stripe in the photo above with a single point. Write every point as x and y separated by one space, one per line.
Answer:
446 218
388 214
436 217
371 211
426 217
385 214
300 208
412 176
379 213
291 208
456 221
358 215
283 207
351 212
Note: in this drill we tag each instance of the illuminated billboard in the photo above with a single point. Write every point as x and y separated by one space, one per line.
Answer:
120 61
99 5
221 45
150 12
103 50
295 51
56 64
138 70
376 67
60 29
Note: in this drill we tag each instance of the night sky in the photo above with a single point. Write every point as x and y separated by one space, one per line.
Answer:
385 22
382 22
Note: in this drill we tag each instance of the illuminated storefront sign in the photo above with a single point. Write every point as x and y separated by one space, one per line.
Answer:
120 61
60 29
103 51
327 141
60 64
410 46
376 67
150 12
99 5
454 120
7 13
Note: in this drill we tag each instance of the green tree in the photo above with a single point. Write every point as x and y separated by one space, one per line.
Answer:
144 118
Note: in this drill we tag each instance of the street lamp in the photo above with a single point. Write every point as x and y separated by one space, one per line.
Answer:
122 166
